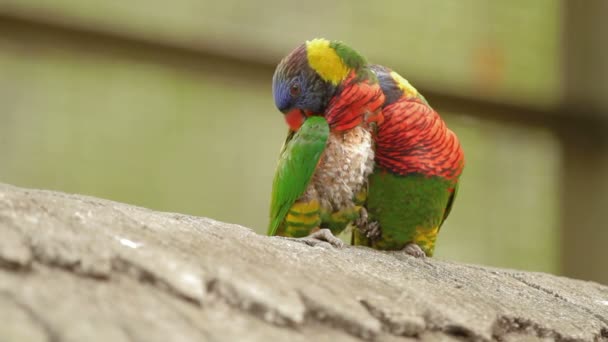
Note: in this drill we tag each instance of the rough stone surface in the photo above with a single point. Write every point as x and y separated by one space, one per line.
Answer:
77 268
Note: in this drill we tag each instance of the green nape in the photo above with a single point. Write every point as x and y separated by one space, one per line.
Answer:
408 208
349 56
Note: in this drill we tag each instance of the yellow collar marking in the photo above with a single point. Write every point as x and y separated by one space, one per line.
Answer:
325 61
404 85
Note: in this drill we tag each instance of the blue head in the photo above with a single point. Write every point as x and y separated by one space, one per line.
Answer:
308 78
299 91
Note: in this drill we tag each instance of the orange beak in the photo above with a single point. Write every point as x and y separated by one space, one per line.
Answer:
295 118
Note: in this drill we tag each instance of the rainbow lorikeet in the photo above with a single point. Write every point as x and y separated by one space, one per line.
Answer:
363 147
418 162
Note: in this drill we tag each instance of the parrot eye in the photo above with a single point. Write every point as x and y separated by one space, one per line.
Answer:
294 90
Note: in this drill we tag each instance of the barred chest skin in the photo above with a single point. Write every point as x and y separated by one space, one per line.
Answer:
343 169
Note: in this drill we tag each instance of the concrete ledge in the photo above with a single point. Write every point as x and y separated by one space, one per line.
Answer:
77 268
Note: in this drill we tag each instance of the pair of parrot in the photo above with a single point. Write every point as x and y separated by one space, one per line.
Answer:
364 148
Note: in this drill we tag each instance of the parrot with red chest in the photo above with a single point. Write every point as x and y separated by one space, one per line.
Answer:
363 148
417 167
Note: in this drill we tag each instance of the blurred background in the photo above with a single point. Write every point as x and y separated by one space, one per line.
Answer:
168 105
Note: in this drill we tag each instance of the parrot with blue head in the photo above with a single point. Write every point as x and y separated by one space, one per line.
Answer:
364 147
329 97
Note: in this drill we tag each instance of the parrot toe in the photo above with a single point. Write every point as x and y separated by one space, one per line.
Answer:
371 230
361 222
414 250
322 236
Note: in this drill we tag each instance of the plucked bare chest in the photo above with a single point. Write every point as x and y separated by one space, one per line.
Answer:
343 169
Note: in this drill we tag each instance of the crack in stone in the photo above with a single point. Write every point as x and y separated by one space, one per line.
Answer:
411 328
117 265
71 265
143 275
461 332
506 325
14 266
15 252
316 312
560 297
501 328
408 327
227 292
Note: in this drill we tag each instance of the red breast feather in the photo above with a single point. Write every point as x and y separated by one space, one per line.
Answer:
414 139
355 100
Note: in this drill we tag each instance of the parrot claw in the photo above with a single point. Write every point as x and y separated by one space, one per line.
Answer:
370 229
322 236
414 250
361 222
373 231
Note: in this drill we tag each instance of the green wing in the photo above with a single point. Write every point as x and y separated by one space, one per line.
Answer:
297 163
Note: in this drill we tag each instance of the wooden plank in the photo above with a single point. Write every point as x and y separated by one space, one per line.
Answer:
585 157
585 52
584 185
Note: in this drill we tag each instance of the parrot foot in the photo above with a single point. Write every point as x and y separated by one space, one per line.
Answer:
361 222
414 250
322 236
370 229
